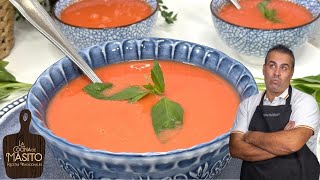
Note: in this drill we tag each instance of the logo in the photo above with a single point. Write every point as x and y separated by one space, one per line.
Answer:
24 152
271 115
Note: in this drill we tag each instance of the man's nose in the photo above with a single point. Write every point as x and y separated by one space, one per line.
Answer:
277 71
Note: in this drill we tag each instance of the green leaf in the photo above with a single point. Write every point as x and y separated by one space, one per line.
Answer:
164 7
96 89
138 97
175 17
3 64
309 79
169 21
261 86
269 14
304 88
316 95
157 77
156 91
133 93
8 83
165 14
166 114
129 93
5 75
148 86
8 88
262 7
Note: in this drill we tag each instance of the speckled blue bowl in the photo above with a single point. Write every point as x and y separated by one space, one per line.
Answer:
82 37
205 160
257 42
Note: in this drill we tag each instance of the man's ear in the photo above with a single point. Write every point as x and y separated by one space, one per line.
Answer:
292 73
263 69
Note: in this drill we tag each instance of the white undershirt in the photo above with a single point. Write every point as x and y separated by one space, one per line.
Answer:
305 112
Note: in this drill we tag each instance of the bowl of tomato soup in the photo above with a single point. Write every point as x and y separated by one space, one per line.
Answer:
260 25
88 22
96 138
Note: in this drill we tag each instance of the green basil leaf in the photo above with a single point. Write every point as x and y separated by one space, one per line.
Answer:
5 76
316 95
148 86
304 88
157 77
128 93
6 89
175 17
8 83
261 86
133 93
3 64
156 90
96 89
138 97
166 114
269 14
309 79
262 8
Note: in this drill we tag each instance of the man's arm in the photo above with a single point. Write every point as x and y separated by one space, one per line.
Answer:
280 142
245 151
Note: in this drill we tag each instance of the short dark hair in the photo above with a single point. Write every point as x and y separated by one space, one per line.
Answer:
283 49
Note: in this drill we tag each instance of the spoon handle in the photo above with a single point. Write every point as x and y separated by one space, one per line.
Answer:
236 4
40 19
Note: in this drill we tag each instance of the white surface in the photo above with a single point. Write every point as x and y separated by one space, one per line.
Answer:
33 53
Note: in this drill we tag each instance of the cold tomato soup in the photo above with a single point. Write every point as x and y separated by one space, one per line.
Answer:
105 13
209 103
289 14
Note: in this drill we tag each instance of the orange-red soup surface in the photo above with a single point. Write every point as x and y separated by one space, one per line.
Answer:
105 13
209 104
290 14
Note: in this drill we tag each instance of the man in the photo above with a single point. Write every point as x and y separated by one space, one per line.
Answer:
275 132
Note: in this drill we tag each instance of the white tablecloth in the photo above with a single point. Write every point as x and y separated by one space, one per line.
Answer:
33 53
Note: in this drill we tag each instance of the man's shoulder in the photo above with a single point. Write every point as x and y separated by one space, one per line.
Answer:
299 95
253 100
254 97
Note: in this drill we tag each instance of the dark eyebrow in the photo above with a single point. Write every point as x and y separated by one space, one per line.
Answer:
272 62
280 64
285 65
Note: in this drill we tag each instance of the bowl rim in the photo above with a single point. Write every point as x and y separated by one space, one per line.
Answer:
264 29
103 28
48 134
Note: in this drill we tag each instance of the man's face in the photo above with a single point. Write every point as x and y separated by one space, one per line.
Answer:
278 72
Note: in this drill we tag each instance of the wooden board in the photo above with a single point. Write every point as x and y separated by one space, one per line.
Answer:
24 152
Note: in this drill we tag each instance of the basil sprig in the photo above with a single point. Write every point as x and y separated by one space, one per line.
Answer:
8 83
168 16
308 84
270 14
166 114
132 94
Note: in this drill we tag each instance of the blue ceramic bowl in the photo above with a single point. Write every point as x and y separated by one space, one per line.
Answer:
205 160
82 37
257 42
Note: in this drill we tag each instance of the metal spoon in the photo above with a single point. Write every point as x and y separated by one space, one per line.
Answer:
41 20
236 4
